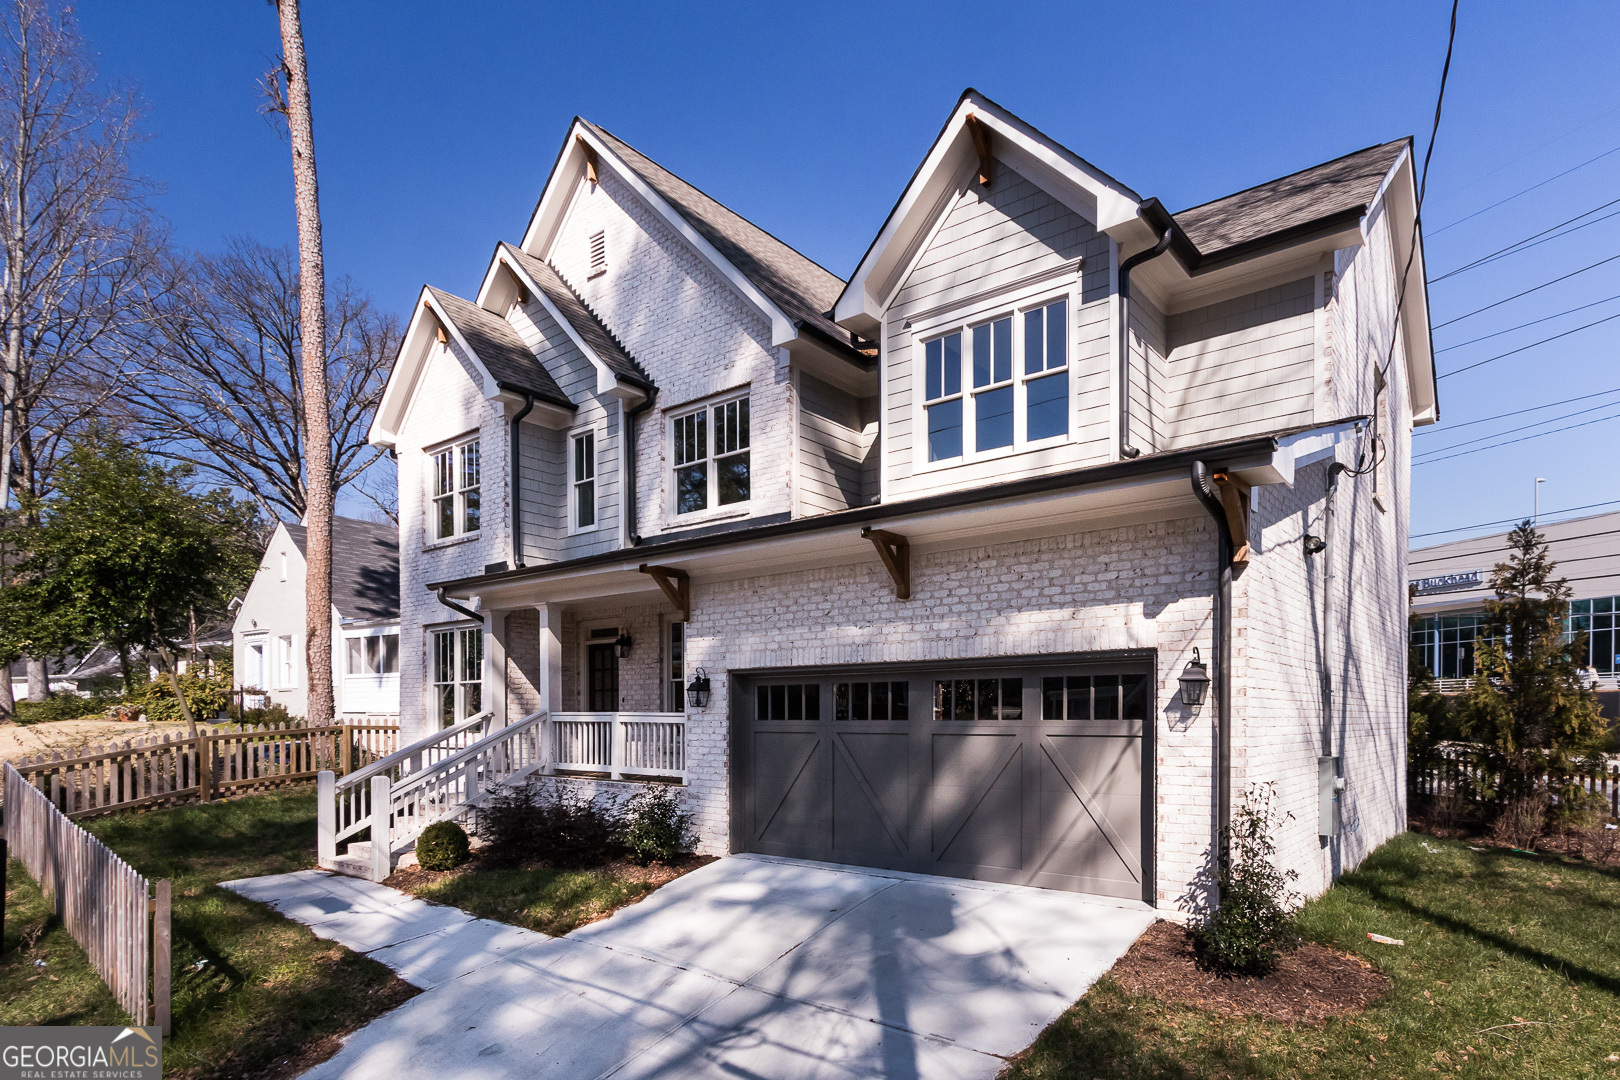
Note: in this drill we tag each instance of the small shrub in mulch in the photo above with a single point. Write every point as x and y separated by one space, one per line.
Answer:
1308 985
442 846
541 820
657 827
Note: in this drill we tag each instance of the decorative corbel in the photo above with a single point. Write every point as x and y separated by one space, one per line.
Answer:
590 160
676 585
981 144
1237 515
895 551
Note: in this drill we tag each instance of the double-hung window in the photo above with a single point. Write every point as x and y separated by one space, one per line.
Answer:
1017 391
457 478
711 456
285 661
582 486
458 663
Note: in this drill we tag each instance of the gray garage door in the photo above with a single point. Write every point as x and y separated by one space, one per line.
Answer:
1024 774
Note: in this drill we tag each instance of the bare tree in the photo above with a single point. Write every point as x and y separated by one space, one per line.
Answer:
220 385
293 103
76 238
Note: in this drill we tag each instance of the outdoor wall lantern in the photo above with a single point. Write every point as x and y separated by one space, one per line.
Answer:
623 642
697 693
1194 682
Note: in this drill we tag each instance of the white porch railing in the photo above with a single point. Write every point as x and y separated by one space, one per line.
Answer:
619 744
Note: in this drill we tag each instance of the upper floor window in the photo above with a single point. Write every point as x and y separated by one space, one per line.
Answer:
457 476
1006 404
375 654
582 487
711 456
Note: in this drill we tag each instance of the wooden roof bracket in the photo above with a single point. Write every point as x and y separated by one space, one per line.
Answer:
895 551
676 585
1234 502
590 160
981 143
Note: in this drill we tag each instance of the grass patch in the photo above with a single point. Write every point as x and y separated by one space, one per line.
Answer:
254 994
67 989
1511 969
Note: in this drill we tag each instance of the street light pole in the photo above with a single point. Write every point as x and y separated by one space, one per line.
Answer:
1536 517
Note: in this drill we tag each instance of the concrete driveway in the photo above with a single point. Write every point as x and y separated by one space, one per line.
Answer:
748 967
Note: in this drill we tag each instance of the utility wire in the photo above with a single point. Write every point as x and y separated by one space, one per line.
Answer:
1526 191
1533 240
1515 412
1516 520
1520 439
1535 149
1533 344
1527 292
1532 322
1511 431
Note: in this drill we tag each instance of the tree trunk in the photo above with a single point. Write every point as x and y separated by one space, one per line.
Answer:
39 682
317 419
8 705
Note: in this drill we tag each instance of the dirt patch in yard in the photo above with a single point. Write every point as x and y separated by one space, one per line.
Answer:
1310 984
64 737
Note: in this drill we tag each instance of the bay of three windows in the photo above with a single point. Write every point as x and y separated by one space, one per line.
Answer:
998 384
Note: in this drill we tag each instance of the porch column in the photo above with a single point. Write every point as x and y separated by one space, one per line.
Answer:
551 647
495 667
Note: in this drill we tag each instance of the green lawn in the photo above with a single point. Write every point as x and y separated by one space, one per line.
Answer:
1511 968
254 994
66 990
551 901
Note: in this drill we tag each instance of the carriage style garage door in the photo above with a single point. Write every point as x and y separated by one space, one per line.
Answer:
1031 775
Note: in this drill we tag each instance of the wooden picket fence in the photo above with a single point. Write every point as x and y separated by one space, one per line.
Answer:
1462 776
108 908
227 760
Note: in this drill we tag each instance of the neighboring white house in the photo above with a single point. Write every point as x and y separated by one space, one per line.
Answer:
270 630
943 541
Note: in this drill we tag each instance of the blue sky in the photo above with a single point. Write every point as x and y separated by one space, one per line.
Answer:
437 124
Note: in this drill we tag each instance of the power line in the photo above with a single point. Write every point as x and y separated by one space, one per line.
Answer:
1492 550
1526 191
1528 291
1516 520
1510 431
1533 344
1536 149
1522 438
1515 412
1533 240
1532 322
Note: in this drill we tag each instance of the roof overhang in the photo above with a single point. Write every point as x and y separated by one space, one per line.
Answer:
950 165
1149 488
581 149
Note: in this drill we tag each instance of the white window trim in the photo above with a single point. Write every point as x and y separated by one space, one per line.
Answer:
430 636
370 631
286 662
664 624
429 501
714 511
595 431
980 310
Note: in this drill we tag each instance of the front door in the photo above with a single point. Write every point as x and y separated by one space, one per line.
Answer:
602 676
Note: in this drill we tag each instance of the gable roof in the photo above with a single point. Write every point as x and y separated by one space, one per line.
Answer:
584 321
1344 185
365 566
499 348
803 289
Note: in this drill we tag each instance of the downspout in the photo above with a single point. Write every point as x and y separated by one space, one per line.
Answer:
1328 576
1211 500
453 606
1126 450
517 487
632 538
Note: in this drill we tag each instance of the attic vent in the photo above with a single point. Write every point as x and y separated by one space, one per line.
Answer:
598 252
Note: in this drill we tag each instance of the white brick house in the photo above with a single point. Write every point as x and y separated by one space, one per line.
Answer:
942 539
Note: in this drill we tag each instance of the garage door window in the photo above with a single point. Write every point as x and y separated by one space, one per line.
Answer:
870 701
979 699
1094 697
798 701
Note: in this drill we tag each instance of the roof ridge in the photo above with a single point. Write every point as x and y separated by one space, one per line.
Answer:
1296 172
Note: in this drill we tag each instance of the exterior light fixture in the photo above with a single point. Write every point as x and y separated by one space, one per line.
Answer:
697 692
1194 682
1314 544
623 643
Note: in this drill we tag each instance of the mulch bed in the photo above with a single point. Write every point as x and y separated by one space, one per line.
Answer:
412 878
1309 985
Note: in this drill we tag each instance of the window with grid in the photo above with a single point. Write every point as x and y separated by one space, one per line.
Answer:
979 699
871 701
793 701
711 455
582 450
1599 620
377 654
1447 644
675 672
458 661
1018 383
1094 697
457 478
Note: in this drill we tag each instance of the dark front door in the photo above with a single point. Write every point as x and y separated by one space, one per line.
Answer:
1024 774
602 677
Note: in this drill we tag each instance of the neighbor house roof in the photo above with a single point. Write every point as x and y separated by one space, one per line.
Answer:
804 290
1345 184
509 361
365 567
585 322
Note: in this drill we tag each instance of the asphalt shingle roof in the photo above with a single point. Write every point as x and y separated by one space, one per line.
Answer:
365 567
584 321
804 290
500 349
1346 183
